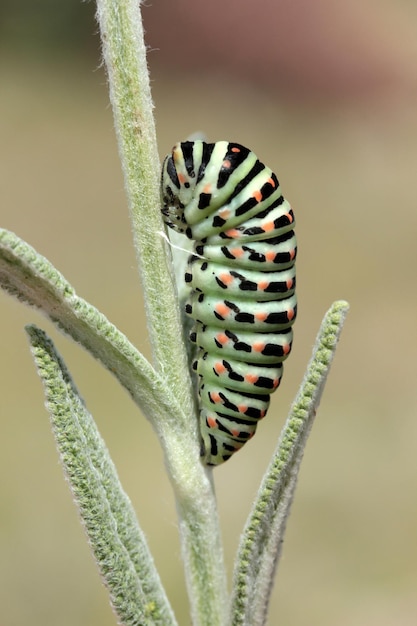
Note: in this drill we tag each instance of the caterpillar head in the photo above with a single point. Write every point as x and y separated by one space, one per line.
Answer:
177 187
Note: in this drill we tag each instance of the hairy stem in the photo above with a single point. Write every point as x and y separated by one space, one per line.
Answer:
125 59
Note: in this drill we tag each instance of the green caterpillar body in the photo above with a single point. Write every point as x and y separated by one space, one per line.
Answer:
241 277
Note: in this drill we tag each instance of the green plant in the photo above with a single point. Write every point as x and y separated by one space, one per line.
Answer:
162 390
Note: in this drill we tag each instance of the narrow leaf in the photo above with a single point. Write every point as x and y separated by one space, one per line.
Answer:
262 538
116 539
30 277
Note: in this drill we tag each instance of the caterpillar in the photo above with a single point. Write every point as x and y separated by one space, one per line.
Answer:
241 279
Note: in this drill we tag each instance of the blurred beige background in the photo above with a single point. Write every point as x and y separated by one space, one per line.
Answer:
327 98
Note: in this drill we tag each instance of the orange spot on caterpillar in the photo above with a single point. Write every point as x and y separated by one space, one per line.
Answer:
286 348
237 252
215 397
268 226
211 422
222 338
182 178
235 149
235 433
290 314
233 233
251 378
226 278
289 283
290 217
226 164
263 284
261 414
219 368
242 408
276 382
222 309
258 346
261 316
207 188
224 213
257 195
271 182
292 254
270 256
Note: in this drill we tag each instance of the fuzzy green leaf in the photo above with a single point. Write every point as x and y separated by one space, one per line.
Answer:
116 539
30 277
262 538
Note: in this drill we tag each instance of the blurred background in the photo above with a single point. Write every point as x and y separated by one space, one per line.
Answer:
325 94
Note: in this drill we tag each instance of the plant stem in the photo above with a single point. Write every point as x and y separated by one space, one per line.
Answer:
125 57
124 54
